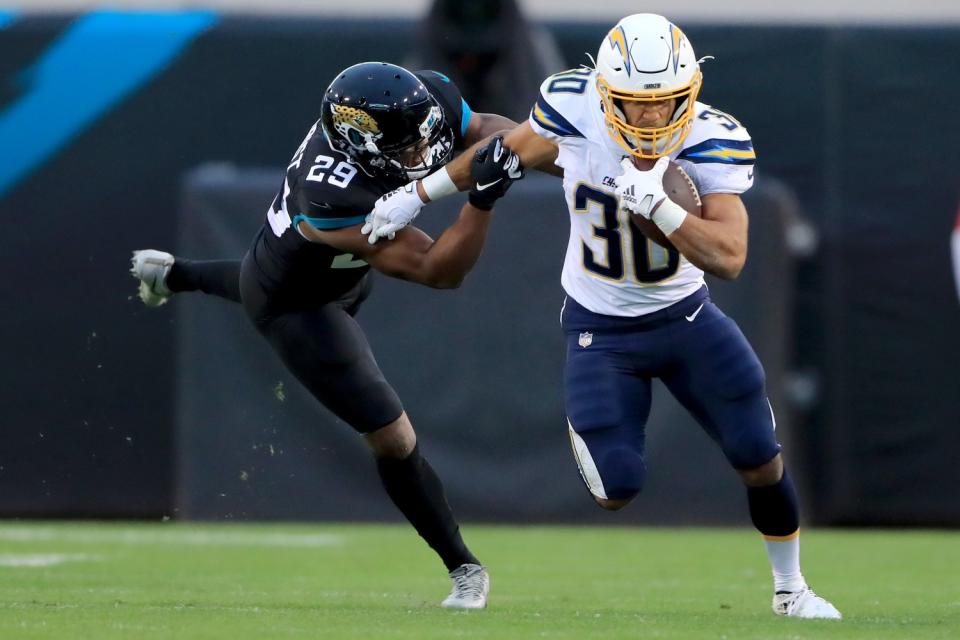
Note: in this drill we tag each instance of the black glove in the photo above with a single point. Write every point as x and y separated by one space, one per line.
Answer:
493 170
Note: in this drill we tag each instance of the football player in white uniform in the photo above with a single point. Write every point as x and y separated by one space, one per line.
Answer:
635 309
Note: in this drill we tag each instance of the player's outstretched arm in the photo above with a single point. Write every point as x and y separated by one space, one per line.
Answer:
491 124
482 127
455 176
534 151
444 263
397 209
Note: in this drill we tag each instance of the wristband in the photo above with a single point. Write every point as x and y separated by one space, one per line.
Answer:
438 185
668 216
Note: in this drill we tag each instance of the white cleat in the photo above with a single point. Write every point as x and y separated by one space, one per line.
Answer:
804 604
151 268
471 583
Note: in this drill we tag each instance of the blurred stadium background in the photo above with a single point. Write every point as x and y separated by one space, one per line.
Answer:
166 124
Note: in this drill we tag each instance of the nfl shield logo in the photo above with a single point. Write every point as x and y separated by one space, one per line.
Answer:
586 339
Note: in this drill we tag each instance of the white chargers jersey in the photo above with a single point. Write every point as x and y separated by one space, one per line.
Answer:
610 267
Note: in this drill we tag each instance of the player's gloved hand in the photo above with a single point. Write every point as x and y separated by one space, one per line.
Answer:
492 170
392 212
641 192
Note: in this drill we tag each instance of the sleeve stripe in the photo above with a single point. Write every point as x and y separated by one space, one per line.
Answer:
328 223
465 114
720 151
551 120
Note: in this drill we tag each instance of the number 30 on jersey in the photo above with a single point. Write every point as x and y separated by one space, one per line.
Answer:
651 262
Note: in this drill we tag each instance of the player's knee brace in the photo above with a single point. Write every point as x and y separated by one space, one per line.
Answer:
613 472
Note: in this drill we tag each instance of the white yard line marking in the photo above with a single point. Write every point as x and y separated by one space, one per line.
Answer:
41 559
173 536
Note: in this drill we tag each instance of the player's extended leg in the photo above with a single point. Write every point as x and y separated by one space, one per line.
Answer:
416 489
329 354
719 379
161 275
607 406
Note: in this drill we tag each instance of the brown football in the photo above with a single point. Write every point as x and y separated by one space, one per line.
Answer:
679 188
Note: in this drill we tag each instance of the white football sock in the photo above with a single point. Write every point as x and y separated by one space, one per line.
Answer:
784 555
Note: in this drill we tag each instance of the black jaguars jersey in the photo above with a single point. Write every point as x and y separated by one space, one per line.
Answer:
327 190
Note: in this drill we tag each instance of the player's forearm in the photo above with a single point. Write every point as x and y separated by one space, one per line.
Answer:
459 167
452 178
457 250
491 124
534 151
712 246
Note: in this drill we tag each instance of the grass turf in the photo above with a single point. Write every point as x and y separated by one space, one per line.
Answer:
91 580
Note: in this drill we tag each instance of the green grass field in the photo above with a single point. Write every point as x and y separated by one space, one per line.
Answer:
89 580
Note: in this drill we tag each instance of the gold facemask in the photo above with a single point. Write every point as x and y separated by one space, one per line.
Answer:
649 142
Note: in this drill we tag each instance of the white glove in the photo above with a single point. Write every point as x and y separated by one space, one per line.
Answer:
392 212
641 191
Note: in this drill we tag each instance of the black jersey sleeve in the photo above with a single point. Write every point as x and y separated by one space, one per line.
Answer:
455 109
328 209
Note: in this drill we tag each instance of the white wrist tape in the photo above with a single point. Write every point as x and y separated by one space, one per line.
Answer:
668 216
438 185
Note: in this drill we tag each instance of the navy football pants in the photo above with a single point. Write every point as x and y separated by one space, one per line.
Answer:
705 362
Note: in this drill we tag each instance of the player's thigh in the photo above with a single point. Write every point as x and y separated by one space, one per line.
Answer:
607 405
329 354
719 379
352 299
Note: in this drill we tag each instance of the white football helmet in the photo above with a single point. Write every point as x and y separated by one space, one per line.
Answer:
646 58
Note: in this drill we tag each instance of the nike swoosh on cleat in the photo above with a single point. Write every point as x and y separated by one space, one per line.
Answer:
481 187
693 316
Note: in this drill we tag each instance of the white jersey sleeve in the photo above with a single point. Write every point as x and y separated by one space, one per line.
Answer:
718 154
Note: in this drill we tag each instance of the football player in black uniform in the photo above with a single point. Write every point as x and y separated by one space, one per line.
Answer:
307 271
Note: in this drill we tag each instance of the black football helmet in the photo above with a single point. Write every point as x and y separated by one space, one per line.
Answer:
383 117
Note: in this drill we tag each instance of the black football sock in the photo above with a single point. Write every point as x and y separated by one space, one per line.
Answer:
414 487
774 509
217 277
775 514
